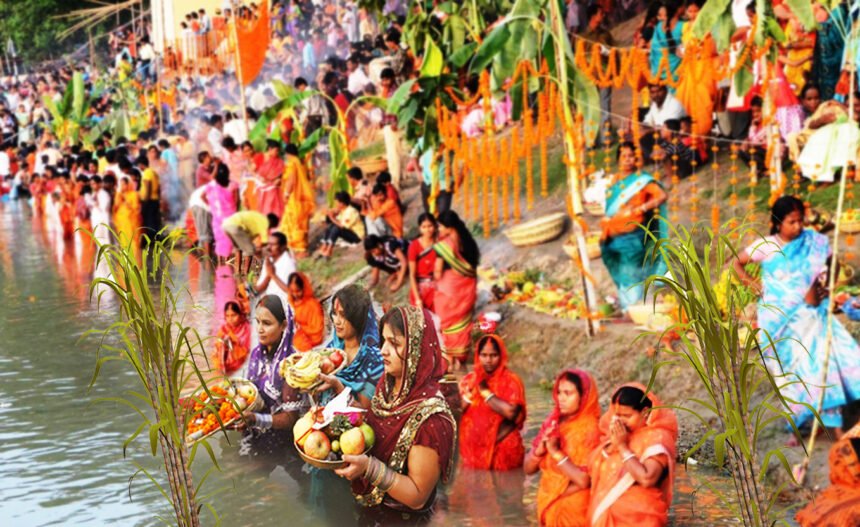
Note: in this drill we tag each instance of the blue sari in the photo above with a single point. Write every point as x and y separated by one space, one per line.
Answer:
626 256
363 373
799 331
666 41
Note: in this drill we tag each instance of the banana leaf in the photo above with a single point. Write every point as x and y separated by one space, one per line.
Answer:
78 97
433 60
711 13
802 9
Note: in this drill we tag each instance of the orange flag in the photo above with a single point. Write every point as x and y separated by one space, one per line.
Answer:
253 43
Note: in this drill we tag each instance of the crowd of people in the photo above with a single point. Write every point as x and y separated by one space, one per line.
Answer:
196 166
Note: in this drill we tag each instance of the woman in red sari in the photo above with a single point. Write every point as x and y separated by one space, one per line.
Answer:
565 441
494 401
422 262
415 431
268 191
456 284
234 340
632 472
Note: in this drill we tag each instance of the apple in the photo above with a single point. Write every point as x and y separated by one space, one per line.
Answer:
317 445
302 427
352 442
336 358
369 435
327 366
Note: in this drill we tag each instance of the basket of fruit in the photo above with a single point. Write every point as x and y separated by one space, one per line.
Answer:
302 370
229 399
850 222
323 435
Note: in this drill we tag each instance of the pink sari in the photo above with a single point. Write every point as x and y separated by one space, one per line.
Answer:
222 203
456 293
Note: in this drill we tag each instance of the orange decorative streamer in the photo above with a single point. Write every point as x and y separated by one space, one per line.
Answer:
253 42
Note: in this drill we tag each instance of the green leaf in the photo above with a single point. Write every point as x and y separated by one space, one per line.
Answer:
78 96
774 30
433 60
712 12
281 89
310 143
802 9
744 80
400 96
461 56
490 47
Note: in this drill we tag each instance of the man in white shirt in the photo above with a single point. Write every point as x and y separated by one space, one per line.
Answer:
664 106
277 268
358 80
215 136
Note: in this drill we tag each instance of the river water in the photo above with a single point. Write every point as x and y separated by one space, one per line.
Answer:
61 455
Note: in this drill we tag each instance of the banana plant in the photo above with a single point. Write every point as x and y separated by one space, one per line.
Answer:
268 126
70 116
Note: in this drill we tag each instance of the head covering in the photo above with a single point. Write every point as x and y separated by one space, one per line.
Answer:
365 370
479 425
307 290
589 406
396 417
263 366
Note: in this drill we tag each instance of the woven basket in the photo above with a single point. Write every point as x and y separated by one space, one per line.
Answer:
371 165
321 463
595 209
850 227
592 247
537 231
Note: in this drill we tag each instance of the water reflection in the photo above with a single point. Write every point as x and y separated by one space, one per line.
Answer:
62 461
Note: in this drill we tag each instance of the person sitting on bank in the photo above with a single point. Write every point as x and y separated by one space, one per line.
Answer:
248 229
385 253
344 224
383 216
360 188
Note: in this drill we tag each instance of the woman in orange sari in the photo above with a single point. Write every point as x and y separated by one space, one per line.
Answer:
298 197
565 441
310 319
839 504
494 411
456 284
632 472
697 88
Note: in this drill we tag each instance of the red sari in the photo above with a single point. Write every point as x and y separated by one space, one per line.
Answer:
425 261
268 193
578 435
616 499
839 504
234 342
416 415
455 297
479 426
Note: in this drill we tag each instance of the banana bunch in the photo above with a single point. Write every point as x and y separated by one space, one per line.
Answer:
301 374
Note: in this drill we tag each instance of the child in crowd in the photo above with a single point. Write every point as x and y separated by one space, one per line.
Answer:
360 188
675 154
385 253
753 150
383 216
344 223
234 340
384 178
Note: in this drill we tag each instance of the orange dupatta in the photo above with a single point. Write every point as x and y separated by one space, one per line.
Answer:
616 499
480 424
310 319
838 504
579 436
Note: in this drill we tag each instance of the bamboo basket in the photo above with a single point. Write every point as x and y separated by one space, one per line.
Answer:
537 231
592 247
850 223
370 166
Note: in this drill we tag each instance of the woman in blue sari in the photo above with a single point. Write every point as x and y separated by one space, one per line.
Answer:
634 199
829 47
357 334
793 312
667 38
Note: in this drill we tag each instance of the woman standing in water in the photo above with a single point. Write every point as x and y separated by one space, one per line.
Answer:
456 284
415 431
494 411
566 439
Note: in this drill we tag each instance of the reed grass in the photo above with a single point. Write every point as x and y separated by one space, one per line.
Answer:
149 336
725 353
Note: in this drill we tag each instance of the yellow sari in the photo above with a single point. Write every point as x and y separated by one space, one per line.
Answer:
299 204
697 90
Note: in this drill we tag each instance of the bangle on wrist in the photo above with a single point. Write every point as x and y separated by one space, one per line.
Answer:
627 457
564 460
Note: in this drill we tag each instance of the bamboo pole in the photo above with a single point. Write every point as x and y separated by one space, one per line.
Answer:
800 472
592 324
238 59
